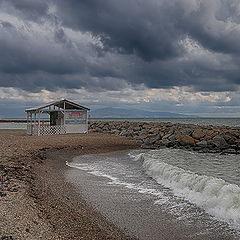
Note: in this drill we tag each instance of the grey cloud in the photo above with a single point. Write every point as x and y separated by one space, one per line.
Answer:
126 27
213 24
152 29
22 54
33 10
141 43
5 24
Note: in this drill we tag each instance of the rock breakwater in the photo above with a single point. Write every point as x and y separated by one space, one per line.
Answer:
215 139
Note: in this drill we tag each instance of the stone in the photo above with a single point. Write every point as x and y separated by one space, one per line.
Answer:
137 129
167 136
210 134
163 142
220 142
146 146
185 140
229 151
3 194
173 138
153 131
235 133
6 238
187 136
115 131
186 131
151 139
98 129
202 144
198 133
161 134
230 139
124 133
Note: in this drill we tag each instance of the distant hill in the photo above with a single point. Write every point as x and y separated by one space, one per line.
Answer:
133 113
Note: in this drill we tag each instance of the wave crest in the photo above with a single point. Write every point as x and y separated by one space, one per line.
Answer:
216 196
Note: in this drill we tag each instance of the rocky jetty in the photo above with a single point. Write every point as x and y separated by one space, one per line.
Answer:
214 139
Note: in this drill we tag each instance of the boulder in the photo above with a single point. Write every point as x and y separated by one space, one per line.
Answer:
163 142
198 133
186 131
137 129
172 138
124 133
167 136
146 146
151 139
229 151
220 142
230 139
235 133
209 134
161 134
153 131
202 144
185 140
157 135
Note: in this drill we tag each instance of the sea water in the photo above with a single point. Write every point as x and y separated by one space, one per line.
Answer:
12 125
151 192
235 122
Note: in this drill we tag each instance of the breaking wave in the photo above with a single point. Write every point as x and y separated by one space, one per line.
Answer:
216 196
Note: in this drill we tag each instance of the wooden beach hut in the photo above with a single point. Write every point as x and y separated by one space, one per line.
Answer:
58 117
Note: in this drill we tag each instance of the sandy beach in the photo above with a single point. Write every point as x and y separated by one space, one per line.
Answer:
36 202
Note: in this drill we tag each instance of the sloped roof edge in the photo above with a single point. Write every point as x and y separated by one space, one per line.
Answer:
55 103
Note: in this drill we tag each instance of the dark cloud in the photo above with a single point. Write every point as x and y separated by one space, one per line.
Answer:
214 25
5 24
127 27
34 10
114 44
152 29
26 54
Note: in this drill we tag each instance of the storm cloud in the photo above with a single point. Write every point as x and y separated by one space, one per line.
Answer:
112 45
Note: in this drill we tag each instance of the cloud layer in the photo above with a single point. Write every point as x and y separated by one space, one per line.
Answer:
114 45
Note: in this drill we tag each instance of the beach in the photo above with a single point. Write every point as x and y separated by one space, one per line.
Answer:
103 186
36 202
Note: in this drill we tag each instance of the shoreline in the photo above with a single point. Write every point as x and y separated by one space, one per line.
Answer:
63 206
36 202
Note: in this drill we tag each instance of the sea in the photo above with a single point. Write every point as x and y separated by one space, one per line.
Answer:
162 194
200 121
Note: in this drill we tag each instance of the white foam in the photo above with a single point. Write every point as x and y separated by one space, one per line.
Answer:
136 157
216 196
96 171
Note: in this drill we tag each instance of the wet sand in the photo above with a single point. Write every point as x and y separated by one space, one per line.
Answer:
36 202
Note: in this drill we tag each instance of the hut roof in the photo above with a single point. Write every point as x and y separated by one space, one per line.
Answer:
60 104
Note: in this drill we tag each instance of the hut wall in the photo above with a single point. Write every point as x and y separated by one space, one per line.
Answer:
76 128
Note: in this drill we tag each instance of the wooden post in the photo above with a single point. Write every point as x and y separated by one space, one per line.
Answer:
31 124
87 120
35 120
64 107
39 123
27 123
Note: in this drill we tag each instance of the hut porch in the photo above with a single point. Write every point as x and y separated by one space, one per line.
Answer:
59 117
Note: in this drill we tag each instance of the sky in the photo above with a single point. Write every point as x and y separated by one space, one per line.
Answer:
180 56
